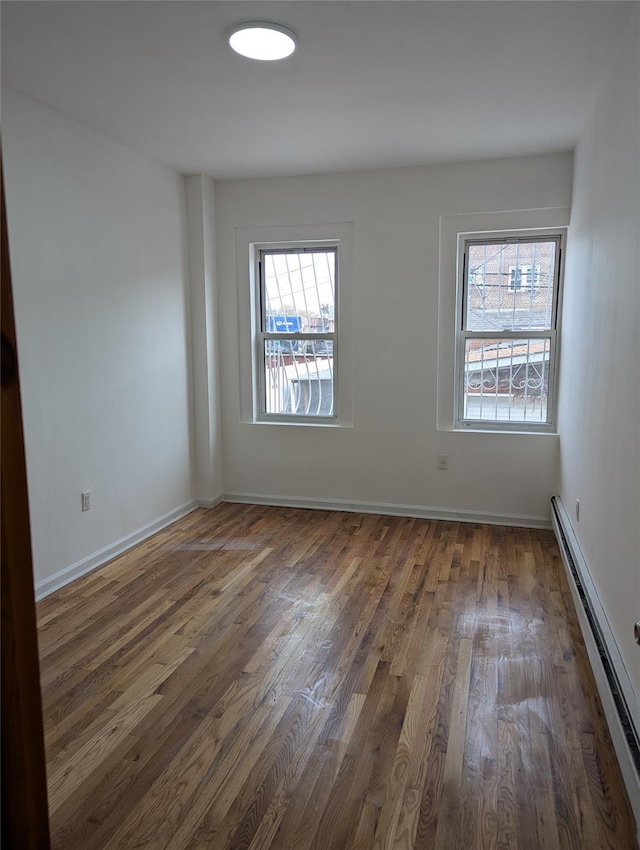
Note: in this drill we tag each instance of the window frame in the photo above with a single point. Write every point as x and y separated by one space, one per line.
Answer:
557 235
260 336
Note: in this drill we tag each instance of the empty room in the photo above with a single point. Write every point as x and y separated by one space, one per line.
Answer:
320 441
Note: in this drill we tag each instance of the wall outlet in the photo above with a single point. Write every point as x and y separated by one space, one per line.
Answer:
86 501
443 461
577 510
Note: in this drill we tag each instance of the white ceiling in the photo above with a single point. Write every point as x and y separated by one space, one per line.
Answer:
372 84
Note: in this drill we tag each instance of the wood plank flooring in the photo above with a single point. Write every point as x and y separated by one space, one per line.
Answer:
258 677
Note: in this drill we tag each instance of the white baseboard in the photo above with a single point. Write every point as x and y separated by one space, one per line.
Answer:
209 503
97 559
389 509
562 526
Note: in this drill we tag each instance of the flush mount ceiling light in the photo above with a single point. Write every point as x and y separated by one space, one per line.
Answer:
263 41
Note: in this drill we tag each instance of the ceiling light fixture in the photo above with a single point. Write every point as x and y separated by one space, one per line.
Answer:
263 41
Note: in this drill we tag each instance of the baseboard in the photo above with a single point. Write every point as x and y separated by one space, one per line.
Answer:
389 509
97 559
617 693
209 503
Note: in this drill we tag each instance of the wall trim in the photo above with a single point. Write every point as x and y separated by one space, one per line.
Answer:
617 693
389 509
97 559
209 503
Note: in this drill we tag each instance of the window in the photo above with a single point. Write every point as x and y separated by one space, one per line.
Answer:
507 332
296 339
523 277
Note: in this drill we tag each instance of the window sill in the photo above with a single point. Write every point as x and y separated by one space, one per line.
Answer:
470 429
303 423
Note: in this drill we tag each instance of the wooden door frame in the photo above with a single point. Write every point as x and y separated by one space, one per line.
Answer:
25 823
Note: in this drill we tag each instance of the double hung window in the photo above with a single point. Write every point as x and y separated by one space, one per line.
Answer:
507 332
296 334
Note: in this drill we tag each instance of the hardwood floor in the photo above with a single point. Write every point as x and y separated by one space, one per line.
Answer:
259 677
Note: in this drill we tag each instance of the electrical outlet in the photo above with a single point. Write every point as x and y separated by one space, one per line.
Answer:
443 461
86 501
578 510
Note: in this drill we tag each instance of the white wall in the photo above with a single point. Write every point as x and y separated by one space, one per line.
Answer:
98 255
600 365
388 457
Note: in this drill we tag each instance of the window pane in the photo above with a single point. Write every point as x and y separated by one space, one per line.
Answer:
299 291
509 286
506 380
299 377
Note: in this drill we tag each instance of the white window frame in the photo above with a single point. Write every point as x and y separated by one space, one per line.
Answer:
261 336
482 238
249 239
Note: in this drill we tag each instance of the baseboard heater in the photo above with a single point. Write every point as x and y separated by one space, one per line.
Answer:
616 699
